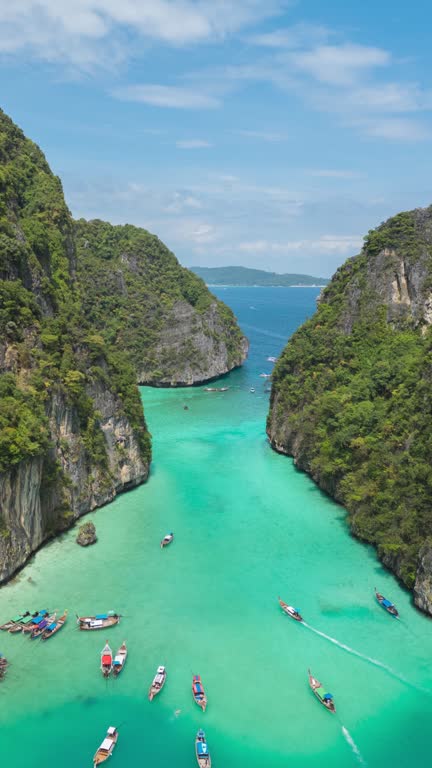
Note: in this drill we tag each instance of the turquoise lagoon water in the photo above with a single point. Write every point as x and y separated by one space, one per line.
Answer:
248 528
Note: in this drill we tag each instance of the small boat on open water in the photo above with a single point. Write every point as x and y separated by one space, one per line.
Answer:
27 623
100 621
326 699
202 750
167 540
198 692
107 747
216 389
290 611
54 627
106 660
3 666
37 631
158 682
8 625
35 622
120 659
387 605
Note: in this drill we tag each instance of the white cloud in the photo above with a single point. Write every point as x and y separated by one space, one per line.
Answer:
263 135
89 32
340 244
395 129
172 96
193 144
339 64
334 173
296 36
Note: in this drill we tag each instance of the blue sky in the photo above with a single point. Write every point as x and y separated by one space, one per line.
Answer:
269 134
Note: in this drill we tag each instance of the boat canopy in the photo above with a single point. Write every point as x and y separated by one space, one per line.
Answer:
198 688
328 696
387 603
38 619
118 661
202 748
161 670
27 620
52 626
106 659
106 745
101 616
111 730
320 691
17 618
158 679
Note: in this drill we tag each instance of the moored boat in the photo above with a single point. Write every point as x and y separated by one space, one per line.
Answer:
54 627
29 626
27 621
202 750
216 389
106 660
198 692
386 604
326 699
290 611
158 682
120 659
42 626
100 621
107 747
8 625
167 540
3 666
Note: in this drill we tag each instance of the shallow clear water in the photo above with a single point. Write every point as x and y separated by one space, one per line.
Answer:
248 527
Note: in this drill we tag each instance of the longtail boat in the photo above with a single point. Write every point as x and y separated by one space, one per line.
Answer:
290 611
158 682
120 659
54 627
202 750
13 622
3 666
167 540
387 605
27 621
198 692
326 699
100 621
106 660
38 631
29 626
216 389
107 747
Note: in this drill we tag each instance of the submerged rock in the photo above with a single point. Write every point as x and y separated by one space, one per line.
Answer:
86 535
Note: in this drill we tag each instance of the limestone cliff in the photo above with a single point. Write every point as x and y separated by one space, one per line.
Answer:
137 295
72 432
351 396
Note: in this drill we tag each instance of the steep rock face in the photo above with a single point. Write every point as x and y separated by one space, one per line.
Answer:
138 296
72 432
351 396
194 347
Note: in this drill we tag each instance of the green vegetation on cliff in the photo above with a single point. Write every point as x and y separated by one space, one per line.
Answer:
47 344
132 288
351 391
244 276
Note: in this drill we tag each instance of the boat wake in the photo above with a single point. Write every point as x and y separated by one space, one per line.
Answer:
368 659
349 739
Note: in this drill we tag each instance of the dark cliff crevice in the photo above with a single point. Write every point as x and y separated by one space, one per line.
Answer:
351 396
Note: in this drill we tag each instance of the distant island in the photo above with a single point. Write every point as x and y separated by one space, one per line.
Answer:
243 276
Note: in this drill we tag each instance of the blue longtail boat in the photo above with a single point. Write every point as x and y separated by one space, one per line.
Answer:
387 605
